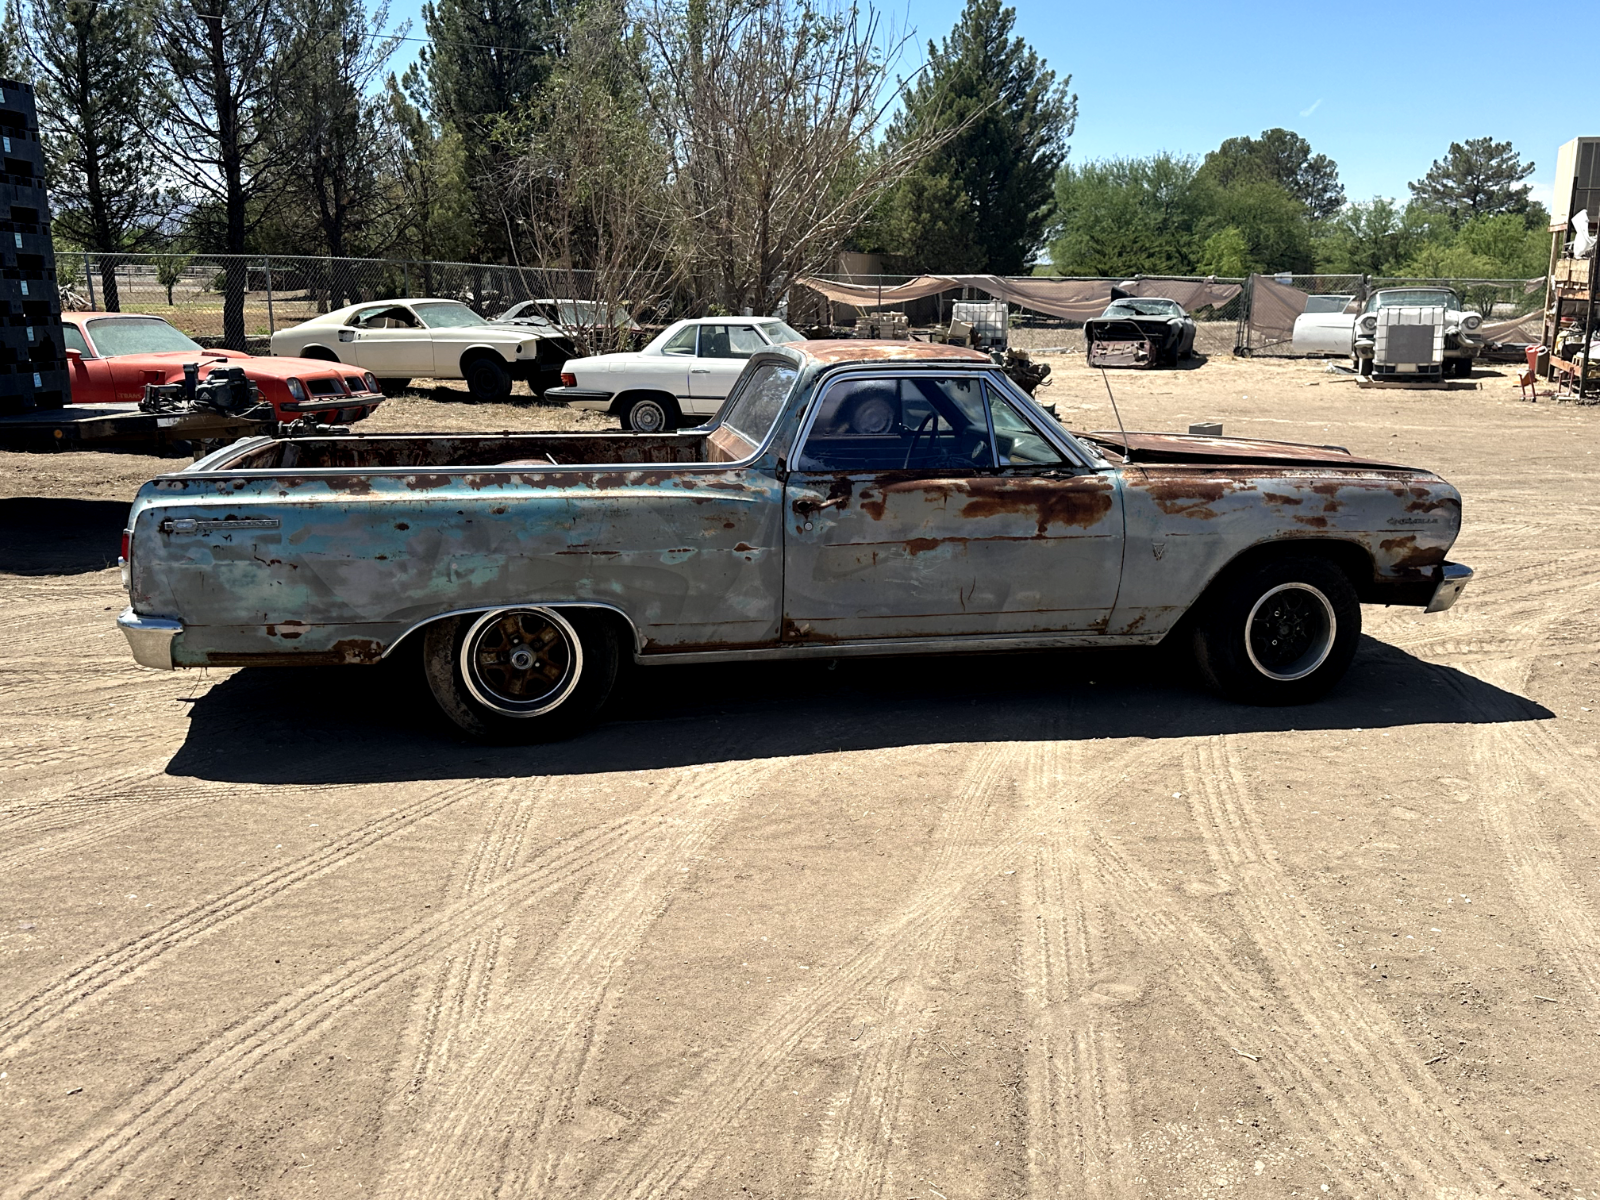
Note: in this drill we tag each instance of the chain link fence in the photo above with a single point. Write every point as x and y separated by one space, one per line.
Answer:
272 292
191 290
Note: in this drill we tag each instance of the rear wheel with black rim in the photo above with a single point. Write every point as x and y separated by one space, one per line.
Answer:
1282 632
526 674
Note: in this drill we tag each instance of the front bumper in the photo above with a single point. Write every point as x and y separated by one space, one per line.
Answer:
1452 582
150 638
580 397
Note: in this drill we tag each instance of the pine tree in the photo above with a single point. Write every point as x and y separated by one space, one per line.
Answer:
90 61
1283 157
982 200
1481 178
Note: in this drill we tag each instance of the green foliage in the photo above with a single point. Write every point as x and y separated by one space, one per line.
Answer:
981 202
1282 157
1130 216
487 59
1164 216
169 271
1481 177
430 175
1225 253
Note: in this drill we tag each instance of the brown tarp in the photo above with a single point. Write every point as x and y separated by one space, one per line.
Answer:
1070 299
1273 308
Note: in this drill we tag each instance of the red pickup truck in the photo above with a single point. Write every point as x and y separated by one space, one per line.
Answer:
111 356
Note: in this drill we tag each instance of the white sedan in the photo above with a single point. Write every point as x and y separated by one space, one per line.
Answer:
402 340
684 373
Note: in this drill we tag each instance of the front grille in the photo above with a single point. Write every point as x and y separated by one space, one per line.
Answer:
326 386
355 383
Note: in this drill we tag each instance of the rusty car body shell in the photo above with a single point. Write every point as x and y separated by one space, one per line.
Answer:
334 550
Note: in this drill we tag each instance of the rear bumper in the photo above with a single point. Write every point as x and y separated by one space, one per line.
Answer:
1452 582
150 638
580 397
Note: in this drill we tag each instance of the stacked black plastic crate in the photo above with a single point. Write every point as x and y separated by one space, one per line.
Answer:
33 357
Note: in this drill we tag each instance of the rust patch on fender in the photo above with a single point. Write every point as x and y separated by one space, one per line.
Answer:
1312 522
922 545
1186 496
427 483
1277 498
1403 552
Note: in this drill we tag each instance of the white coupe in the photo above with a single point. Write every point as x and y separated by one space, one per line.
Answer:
684 373
402 340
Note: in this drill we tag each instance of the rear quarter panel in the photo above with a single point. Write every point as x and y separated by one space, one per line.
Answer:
691 556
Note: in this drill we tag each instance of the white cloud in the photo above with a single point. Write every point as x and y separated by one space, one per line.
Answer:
1306 112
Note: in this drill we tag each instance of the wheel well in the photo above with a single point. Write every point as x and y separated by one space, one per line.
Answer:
322 353
1350 557
625 626
474 353
622 400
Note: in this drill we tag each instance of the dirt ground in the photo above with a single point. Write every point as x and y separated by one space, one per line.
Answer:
1030 926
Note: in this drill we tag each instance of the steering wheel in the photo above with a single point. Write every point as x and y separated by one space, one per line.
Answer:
912 447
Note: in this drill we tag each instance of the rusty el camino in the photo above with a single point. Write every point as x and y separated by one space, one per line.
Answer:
849 498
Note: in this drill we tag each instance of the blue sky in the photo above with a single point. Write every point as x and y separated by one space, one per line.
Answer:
1163 75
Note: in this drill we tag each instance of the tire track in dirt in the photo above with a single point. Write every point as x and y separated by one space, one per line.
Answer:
1230 999
1510 768
851 1159
682 1143
494 1117
464 981
124 963
1080 1122
1308 978
99 1158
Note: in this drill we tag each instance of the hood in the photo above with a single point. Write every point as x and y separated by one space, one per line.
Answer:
1194 448
270 367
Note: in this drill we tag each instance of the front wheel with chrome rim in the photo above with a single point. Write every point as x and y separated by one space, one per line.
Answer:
522 674
1281 632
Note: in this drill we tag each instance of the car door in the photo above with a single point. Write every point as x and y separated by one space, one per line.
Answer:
926 504
1323 333
724 349
88 377
390 340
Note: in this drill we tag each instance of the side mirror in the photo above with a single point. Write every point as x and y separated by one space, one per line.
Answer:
74 355
347 335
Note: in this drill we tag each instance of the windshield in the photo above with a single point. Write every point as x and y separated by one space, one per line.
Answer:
1424 297
584 313
1144 308
138 335
779 333
447 314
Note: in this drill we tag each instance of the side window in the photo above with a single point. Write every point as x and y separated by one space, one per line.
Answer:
896 424
714 342
755 404
1016 442
743 341
682 342
74 339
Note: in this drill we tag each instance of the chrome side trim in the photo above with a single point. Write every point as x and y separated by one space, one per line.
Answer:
150 638
899 646
1452 583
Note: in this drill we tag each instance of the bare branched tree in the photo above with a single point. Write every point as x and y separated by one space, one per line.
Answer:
590 185
769 112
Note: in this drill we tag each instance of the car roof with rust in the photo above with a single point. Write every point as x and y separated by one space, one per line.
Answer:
850 350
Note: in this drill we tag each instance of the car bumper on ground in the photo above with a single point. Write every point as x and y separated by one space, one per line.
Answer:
580 397
150 638
1452 582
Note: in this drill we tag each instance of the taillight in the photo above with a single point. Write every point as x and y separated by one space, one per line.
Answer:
125 560
568 379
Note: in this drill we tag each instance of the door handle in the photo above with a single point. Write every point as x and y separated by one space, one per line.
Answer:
699 370
807 505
